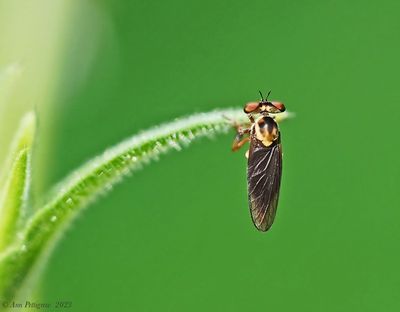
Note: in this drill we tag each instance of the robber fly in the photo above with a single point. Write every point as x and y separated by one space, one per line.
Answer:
264 165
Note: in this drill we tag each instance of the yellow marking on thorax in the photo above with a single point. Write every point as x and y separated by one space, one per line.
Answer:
266 138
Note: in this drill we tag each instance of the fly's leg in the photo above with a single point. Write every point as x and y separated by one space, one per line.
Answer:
238 143
251 118
240 138
242 133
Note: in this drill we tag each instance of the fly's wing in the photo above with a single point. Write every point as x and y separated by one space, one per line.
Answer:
264 173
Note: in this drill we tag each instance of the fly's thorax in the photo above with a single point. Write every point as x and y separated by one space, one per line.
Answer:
266 130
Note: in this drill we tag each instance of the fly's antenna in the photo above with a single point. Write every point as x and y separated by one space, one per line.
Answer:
268 95
262 98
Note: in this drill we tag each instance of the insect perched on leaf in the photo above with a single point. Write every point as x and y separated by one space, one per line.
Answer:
264 166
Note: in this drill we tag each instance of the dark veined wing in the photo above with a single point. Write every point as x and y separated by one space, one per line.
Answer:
264 173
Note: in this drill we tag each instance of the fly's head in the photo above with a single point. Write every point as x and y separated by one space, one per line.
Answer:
264 107
271 107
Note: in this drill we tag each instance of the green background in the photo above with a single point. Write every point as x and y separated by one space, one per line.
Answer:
177 235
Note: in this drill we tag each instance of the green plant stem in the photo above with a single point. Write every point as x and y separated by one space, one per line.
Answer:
22 262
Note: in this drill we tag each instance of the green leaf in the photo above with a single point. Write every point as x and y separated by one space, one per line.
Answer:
14 195
21 264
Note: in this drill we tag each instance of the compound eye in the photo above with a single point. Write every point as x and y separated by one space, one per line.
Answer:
276 107
251 107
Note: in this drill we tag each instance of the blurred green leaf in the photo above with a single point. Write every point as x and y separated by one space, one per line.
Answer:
14 195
